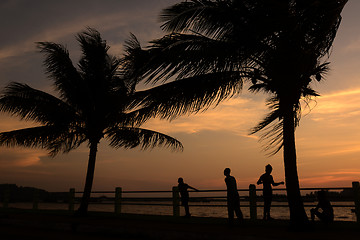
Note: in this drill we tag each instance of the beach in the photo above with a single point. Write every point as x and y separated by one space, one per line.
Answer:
59 225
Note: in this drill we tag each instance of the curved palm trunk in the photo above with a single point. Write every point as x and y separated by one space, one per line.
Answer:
89 179
297 212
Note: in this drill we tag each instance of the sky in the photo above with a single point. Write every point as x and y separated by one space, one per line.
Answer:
327 140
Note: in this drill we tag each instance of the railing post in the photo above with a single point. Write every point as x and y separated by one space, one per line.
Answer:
118 196
252 200
176 201
356 189
71 200
6 198
36 200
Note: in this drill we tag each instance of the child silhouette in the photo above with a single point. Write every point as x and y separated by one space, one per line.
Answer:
267 180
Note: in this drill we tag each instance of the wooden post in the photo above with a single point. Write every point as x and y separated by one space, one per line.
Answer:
356 188
71 200
6 198
252 200
176 201
36 200
118 196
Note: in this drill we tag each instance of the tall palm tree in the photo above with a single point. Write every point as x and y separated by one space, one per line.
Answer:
94 102
213 46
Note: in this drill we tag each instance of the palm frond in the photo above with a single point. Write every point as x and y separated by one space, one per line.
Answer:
210 18
129 137
182 56
272 130
321 20
133 61
53 138
95 59
67 141
35 105
59 67
188 95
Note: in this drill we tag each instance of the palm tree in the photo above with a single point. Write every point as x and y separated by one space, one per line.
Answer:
94 103
213 46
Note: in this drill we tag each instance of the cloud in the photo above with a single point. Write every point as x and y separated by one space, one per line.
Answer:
353 46
333 179
325 147
19 157
341 93
115 20
337 106
62 30
346 149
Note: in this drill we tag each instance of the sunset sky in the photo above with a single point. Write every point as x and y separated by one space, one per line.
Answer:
328 139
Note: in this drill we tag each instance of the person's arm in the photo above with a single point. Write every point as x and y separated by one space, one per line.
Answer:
277 184
274 183
259 181
193 188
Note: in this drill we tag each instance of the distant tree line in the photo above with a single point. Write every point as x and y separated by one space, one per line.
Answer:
26 194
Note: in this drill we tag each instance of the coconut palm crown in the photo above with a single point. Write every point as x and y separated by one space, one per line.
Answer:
212 47
93 103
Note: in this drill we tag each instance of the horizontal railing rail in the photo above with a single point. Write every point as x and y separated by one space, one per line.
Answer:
252 198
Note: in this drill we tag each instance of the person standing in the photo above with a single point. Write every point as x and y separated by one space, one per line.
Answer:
268 181
233 199
184 195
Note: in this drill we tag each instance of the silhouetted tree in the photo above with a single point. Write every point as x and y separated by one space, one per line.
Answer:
94 102
213 46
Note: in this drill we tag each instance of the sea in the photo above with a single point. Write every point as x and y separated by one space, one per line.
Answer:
342 210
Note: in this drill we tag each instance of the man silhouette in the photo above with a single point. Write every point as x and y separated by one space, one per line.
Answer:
184 194
267 180
233 199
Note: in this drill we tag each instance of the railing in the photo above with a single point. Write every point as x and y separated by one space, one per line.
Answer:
252 199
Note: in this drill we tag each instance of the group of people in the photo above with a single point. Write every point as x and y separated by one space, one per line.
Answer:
323 210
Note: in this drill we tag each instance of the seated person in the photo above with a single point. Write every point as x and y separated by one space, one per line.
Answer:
327 213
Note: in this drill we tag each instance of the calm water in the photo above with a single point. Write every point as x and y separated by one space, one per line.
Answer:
204 210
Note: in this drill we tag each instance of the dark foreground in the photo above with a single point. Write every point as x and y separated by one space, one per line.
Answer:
58 225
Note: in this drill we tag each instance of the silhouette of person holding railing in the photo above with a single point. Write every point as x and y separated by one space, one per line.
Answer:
233 199
184 195
327 213
268 181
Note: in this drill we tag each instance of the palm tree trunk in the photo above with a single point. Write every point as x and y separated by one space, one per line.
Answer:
89 179
297 212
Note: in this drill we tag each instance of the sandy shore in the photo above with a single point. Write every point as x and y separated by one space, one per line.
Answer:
57 225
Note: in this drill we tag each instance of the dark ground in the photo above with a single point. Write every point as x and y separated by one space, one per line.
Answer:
55 225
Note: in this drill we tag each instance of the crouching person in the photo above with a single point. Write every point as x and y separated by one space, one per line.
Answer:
323 210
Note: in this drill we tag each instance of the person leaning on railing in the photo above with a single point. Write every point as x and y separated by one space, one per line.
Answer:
184 194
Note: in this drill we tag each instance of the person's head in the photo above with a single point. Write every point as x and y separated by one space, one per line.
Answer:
268 168
180 180
321 195
227 171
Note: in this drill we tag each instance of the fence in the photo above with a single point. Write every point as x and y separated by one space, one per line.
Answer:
252 199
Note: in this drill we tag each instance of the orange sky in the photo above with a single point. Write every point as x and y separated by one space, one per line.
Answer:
328 139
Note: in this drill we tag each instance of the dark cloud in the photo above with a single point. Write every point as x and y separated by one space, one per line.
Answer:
21 19
27 22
